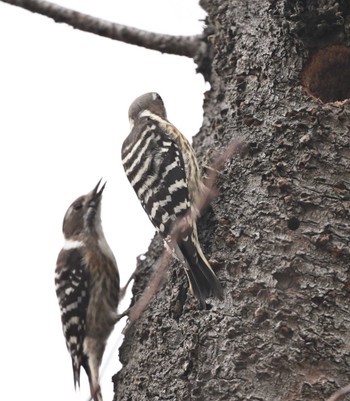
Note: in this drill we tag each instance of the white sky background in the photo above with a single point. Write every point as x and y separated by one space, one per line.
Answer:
64 99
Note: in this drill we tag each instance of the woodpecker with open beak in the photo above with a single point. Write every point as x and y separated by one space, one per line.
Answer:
87 287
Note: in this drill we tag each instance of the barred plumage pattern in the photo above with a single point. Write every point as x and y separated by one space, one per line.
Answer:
87 287
163 170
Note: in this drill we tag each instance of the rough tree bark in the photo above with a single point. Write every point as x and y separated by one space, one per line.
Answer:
278 233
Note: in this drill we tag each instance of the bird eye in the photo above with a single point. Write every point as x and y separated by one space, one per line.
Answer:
77 206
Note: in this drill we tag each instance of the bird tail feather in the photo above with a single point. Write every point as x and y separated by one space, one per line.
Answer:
76 370
202 278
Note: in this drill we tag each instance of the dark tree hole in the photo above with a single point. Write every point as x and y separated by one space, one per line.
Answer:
293 223
327 75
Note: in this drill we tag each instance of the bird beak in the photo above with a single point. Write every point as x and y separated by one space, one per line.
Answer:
96 192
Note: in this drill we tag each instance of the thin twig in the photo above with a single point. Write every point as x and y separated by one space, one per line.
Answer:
189 46
154 284
338 395
210 192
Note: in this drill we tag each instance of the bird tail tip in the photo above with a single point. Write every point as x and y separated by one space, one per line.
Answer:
76 371
203 280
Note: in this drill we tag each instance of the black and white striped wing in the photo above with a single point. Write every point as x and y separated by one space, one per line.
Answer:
155 168
72 281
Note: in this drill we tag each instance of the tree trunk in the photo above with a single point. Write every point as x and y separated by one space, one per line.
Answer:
277 234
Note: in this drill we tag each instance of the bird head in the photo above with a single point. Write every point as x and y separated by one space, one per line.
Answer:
84 214
151 102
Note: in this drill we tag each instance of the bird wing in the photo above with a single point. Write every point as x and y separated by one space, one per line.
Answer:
72 281
156 170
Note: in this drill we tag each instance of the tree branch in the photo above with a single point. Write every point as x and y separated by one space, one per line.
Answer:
189 46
